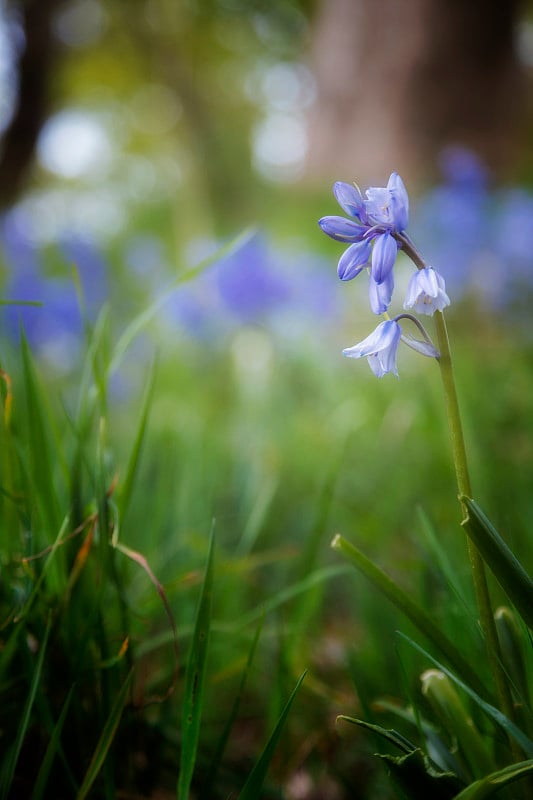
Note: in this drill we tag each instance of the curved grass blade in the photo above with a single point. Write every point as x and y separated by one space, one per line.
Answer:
506 568
140 322
195 679
403 602
485 787
389 734
39 786
217 758
26 713
252 788
495 714
127 483
106 739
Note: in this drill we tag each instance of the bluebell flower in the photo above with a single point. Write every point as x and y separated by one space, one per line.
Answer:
426 292
379 348
372 232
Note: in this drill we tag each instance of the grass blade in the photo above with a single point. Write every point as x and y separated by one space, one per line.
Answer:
404 603
506 568
26 713
256 778
41 461
495 714
217 758
106 739
195 679
53 745
492 783
133 462
140 322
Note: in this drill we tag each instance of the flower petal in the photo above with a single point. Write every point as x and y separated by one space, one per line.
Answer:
425 348
353 260
399 201
377 206
380 294
383 256
342 229
386 336
380 348
349 198
426 292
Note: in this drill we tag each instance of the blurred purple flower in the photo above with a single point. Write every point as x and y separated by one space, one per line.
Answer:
463 169
248 282
55 328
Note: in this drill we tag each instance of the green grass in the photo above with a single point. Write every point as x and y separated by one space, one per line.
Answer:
111 591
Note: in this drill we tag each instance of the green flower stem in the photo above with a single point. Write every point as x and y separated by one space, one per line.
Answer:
477 565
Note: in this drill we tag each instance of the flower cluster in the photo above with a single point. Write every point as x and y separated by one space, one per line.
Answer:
375 232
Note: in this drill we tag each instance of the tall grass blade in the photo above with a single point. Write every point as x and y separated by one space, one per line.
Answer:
485 787
404 603
131 470
42 465
506 568
195 679
41 780
26 713
252 787
106 739
217 758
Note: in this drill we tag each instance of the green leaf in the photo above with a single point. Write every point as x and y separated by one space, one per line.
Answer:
507 569
413 773
414 778
492 783
252 787
106 739
404 603
195 679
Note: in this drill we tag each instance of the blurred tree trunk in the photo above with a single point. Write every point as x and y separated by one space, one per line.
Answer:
34 71
397 81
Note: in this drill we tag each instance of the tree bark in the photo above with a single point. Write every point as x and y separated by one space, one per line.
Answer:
398 81
18 144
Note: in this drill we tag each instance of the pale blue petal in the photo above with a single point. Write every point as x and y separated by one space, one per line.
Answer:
377 205
380 294
400 202
383 256
353 260
349 198
425 348
426 292
342 229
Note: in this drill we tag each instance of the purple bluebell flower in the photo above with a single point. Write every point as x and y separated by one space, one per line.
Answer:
377 220
379 348
426 292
